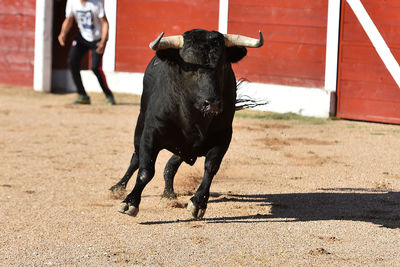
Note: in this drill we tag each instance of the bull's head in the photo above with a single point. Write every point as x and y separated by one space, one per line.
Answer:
206 57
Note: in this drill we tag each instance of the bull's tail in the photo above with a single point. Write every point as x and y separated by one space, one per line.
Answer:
245 101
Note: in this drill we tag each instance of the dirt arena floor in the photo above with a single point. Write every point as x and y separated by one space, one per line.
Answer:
290 192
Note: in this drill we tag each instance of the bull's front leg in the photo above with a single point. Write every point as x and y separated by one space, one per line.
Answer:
147 158
198 203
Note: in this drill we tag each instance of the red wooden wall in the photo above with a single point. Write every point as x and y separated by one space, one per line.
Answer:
295 40
366 90
140 21
17 41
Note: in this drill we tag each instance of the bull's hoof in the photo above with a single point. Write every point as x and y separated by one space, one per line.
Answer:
117 192
195 211
128 209
169 195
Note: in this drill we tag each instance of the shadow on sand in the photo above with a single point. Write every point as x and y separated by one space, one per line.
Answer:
346 204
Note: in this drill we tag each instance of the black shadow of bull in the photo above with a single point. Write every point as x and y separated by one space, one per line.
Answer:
364 205
187 107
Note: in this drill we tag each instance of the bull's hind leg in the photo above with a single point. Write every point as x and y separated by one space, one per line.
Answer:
119 188
198 203
169 174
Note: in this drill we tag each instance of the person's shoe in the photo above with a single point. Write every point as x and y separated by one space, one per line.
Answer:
110 100
82 100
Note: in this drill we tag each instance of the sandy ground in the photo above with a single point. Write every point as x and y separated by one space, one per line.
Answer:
289 192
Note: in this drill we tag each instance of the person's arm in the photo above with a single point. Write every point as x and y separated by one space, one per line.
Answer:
104 35
66 26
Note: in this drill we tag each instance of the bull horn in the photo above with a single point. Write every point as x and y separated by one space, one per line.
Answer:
161 42
240 40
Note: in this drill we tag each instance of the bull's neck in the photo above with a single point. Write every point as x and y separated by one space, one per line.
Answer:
194 124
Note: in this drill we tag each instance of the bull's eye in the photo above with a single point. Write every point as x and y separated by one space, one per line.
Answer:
215 42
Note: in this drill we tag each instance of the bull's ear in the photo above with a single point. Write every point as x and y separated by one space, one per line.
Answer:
236 53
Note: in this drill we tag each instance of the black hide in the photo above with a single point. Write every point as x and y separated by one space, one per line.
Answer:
187 107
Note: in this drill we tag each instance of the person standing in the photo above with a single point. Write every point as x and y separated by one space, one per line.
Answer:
92 35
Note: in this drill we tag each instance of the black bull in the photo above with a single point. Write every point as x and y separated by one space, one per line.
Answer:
187 107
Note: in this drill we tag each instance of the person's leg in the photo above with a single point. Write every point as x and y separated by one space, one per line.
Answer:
76 53
98 71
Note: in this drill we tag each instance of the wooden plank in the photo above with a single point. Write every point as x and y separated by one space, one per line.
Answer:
17 23
158 10
364 64
362 117
364 54
366 72
278 16
280 67
289 51
281 80
18 7
354 33
361 109
386 3
378 14
16 78
281 33
17 33
24 43
385 92
140 22
293 4
360 54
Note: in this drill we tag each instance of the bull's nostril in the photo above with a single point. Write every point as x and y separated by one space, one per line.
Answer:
206 104
212 106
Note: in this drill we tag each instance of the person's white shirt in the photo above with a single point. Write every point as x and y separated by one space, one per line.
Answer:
87 16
